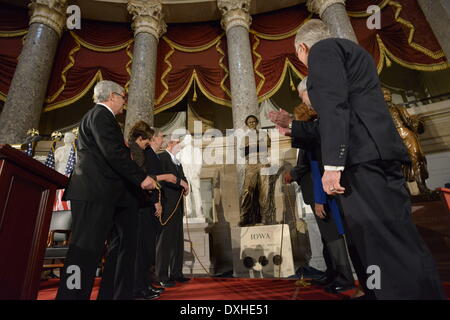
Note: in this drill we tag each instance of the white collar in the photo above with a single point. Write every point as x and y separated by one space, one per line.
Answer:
174 160
102 104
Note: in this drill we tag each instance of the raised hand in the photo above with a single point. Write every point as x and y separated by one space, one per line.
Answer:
284 131
281 118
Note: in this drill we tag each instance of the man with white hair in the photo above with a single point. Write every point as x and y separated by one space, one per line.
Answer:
100 200
362 155
170 242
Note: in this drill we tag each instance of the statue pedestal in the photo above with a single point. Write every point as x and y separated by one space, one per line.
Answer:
262 252
196 248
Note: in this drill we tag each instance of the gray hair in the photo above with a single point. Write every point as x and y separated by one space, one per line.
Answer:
302 85
312 32
103 90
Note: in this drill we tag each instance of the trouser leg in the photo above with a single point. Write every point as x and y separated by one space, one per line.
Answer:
91 223
377 210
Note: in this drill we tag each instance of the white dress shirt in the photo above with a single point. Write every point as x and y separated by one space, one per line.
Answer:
174 159
333 168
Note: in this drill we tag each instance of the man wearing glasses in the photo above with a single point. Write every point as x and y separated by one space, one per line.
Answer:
100 201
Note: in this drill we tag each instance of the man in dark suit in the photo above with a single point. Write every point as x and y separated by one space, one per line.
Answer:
307 173
170 242
149 225
362 150
99 198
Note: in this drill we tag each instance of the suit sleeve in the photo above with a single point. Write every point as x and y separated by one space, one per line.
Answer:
328 92
109 140
165 160
302 168
183 177
305 134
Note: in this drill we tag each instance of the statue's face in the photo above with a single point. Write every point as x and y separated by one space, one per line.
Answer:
252 123
387 95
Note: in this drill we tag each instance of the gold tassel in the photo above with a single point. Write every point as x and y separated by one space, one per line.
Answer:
388 61
194 97
290 80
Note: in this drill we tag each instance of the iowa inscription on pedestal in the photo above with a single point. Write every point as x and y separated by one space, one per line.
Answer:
262 251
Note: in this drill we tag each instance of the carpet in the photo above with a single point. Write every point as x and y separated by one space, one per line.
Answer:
228 289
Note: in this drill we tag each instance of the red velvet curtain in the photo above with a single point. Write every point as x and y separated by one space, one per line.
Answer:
197 52
188 53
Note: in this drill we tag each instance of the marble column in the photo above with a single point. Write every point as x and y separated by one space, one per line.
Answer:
148 25
334 14
236 22
26 93
437 13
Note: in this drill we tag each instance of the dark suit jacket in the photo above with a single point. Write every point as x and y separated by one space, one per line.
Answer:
305 137
104 164
171 191
344 89
153 167
301 174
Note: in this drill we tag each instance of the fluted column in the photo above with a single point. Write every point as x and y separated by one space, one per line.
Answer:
148 25
26 93
334 14
437 13
236 22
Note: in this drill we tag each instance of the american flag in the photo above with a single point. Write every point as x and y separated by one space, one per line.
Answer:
71 161
29 150
50 161
59 203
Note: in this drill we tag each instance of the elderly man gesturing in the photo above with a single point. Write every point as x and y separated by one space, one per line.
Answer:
362 155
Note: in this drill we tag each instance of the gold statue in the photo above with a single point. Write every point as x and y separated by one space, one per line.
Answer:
409 126
257 201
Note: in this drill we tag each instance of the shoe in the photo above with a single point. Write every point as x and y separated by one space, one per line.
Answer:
147 295
167 284
323 280
157 289
337 287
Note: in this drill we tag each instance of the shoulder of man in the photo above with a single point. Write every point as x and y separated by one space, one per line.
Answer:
164 155
100 109
336 44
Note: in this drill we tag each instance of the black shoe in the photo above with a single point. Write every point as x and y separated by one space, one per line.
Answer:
181 279
336 287
167 284
147 295
157 289
323 280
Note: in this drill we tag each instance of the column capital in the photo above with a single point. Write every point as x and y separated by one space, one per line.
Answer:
235 13
52 13
147 17
319 6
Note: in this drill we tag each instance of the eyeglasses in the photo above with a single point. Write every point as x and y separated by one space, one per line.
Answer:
124 97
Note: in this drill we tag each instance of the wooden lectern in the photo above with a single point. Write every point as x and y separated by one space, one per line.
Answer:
27 193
